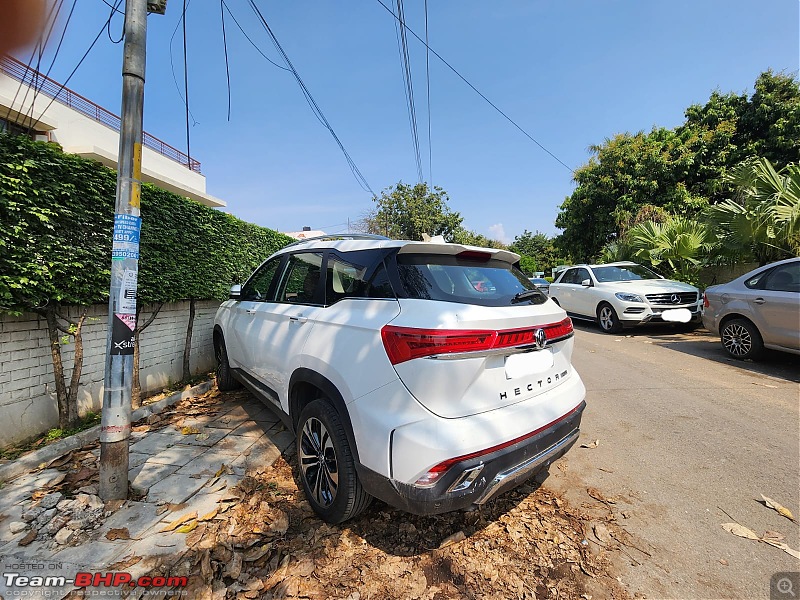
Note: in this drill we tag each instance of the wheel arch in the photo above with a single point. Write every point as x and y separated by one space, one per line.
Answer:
734 315
306 386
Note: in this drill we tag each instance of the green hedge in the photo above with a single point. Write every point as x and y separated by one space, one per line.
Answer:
56 219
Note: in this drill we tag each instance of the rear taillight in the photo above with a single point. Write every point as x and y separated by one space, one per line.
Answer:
705 301
407 343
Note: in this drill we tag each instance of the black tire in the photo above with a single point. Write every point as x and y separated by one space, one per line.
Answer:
226 382
607 318
741 339
327 470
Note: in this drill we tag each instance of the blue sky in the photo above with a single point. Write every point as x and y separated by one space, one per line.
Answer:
570 73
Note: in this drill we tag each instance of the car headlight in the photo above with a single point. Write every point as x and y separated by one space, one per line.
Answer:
628 297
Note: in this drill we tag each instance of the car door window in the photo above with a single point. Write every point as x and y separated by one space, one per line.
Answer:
300 282
568 276
785 278
348 279
258 286
579 275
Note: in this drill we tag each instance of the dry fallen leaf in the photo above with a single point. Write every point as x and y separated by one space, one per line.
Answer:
29 537
209 516
189 430
188 528
458 536
255 553
740 530
779 508
592 445
598 495
201 436
60 461
118 534
783 547
180 521
281 523
723 562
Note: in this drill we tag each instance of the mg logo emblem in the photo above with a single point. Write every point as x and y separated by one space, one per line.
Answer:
541 338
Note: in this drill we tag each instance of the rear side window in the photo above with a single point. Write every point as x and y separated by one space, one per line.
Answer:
348 279
452 279
785 278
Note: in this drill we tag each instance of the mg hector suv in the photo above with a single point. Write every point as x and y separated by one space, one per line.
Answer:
433 376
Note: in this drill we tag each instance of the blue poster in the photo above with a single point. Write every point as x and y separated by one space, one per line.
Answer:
126 236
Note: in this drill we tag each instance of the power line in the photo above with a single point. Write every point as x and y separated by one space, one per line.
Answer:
44 39
225 47
428 94
405 63
244 33
172 62
80 62
313 104
186 82
477 91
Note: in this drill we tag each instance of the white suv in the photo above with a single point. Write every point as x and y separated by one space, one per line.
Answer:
430 375
624 294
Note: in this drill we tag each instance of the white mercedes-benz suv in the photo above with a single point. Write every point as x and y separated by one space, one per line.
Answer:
433 376
625 294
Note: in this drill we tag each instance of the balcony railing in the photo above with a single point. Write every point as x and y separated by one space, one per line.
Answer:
52 89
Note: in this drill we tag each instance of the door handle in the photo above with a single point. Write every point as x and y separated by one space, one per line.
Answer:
250 311
759 301
299 319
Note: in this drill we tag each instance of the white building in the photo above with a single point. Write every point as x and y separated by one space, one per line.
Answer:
29 101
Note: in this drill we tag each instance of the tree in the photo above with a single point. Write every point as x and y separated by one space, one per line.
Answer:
540 249
680 170
406 212
763 219
678 246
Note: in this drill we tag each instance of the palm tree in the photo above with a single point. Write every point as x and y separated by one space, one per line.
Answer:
763 221
678 245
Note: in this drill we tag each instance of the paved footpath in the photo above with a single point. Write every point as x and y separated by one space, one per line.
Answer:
171 472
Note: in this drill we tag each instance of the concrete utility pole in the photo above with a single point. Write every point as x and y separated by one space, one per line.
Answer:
115 426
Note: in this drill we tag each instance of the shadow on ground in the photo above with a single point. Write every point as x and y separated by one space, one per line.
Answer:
703 344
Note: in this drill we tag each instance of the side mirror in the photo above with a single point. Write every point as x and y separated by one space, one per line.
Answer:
586 283
236 292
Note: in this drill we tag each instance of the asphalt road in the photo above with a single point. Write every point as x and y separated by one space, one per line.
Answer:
685 434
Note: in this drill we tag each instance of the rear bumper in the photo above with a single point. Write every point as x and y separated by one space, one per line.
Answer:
478 480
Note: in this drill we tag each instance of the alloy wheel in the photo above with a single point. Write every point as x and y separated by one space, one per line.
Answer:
737 339
606 318
318 462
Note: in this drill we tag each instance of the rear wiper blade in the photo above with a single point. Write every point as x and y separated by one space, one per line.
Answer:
524 296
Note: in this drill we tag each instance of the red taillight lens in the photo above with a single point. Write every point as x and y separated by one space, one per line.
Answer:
407 343
705 301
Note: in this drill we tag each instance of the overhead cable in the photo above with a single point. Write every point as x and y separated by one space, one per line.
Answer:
80 62
477 91
312 103
405 63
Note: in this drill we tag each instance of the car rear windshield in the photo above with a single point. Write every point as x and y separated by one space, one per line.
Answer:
452 279
626 273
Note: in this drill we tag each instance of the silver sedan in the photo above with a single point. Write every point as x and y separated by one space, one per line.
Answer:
758 310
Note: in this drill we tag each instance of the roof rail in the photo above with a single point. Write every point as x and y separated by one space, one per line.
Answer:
340 236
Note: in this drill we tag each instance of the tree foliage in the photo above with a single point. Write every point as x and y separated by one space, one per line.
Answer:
680 170
407 212
762 221
538 252
56 218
